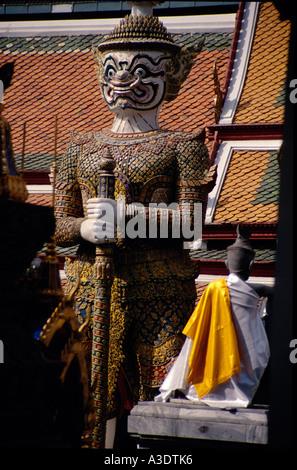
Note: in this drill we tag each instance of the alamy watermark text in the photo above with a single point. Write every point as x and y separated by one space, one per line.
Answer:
155 221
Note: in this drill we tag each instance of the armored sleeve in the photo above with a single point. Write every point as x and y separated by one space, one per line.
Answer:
195 177
68 200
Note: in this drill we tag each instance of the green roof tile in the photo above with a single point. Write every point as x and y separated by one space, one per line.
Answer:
268 191
36 162
84 44
261 254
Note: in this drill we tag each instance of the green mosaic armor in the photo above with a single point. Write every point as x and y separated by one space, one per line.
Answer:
153 292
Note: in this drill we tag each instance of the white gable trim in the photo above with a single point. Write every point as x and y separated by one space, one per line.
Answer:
224 23
39 188
181 24
241 62
266 280
222 161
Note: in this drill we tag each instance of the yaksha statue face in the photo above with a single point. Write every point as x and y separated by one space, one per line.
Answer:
138 63
134 79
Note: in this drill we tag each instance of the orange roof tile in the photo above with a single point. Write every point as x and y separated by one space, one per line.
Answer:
262 98
40 199
195 101
250 189
56 76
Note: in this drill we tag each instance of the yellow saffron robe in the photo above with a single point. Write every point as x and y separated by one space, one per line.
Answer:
214 356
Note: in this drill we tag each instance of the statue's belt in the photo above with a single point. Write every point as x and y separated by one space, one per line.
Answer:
141 257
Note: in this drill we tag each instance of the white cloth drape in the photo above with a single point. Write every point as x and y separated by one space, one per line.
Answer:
254 352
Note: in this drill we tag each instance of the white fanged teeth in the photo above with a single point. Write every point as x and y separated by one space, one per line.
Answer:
123 90
135 84
135 91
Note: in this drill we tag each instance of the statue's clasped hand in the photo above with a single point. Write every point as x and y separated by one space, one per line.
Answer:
99 226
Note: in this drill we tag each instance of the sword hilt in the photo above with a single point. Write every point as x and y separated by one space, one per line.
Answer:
106 183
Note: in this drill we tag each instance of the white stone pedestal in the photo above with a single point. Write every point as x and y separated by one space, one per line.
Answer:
182 419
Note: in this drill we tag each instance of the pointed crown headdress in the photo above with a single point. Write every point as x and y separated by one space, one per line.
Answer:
240 255
142 31
242 241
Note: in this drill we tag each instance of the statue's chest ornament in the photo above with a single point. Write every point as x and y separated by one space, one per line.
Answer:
141 157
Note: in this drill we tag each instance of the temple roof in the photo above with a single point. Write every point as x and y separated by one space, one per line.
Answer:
249 133
254 198
55 76
263 95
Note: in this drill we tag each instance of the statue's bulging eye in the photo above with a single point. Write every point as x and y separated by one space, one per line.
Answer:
140 72
109 72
